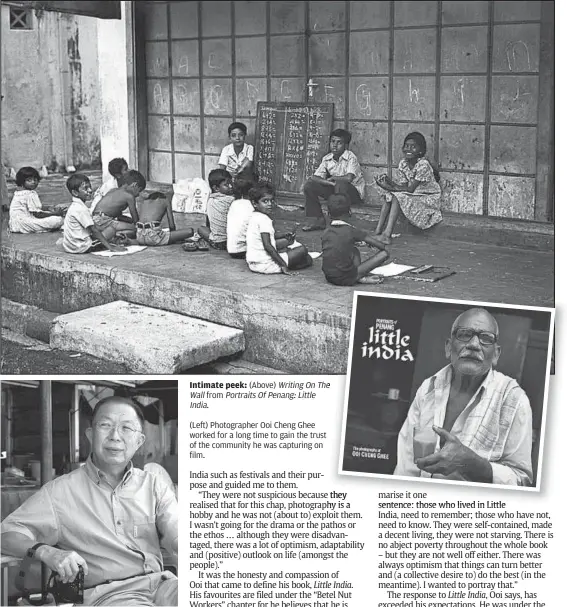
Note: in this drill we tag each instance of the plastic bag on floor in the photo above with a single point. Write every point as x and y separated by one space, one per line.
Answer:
190 195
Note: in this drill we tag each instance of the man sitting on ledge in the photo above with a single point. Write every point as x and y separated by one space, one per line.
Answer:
106 516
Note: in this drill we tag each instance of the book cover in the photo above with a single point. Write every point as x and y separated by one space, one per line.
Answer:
399 343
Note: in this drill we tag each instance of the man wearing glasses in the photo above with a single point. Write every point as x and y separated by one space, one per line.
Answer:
478 420
106 517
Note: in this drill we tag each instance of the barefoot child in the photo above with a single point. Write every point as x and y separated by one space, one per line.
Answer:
238 156
342 264
338 173
117 167
418 195
219 202
148 228
108 212
264 253
27 215
80 234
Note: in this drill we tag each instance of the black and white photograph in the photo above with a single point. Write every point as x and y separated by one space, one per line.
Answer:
89 492
200 187
453 391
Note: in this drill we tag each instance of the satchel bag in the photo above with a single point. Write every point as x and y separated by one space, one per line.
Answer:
56 593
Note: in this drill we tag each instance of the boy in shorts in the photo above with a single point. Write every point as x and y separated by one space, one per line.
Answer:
214 233
342 264
108 212
148 228
338 173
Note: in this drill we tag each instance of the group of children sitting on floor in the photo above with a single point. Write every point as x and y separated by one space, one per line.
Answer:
239 220
239 211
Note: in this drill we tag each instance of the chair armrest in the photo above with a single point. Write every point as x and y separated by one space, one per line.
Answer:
7 560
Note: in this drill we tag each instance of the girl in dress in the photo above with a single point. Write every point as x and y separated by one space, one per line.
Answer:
418 195
27 215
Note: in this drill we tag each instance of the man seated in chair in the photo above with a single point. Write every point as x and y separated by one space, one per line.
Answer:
106 516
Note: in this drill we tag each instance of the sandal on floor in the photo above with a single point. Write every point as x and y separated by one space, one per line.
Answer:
313 227
189 246
202 245
371 279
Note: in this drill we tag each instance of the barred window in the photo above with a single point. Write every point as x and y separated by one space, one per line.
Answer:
21 18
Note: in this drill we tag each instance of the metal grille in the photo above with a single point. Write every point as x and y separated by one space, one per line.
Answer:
21 18
474 77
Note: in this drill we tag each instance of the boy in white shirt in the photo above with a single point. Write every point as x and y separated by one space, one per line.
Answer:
238 156
238 217
338 173
262 248
80 234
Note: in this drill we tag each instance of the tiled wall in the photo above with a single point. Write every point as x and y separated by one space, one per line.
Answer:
465 74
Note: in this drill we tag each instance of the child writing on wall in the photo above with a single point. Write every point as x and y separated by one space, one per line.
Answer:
80 234
27 215
219 202
108 212
417 195
342 264
265 253
238 218
338 173
238 156
117 167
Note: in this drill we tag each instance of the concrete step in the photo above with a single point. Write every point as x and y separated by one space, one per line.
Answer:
145 340
298 324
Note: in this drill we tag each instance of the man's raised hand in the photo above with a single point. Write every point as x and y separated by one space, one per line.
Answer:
453 457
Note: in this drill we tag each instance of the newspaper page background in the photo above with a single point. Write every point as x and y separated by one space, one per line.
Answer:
267 520
295 474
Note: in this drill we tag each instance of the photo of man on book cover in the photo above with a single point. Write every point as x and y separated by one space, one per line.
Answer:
446 390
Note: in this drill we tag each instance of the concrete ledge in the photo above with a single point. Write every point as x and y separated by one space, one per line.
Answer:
241 367
297 324
33 323
27 320
281 334
144 339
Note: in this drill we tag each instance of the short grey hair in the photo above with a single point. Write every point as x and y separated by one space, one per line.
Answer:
475 311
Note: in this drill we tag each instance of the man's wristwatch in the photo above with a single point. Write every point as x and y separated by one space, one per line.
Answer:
30 553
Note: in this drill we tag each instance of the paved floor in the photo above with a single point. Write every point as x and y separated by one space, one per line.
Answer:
21 355
483 273
24 356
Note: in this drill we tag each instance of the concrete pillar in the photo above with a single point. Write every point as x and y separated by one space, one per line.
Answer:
33 112
113 74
